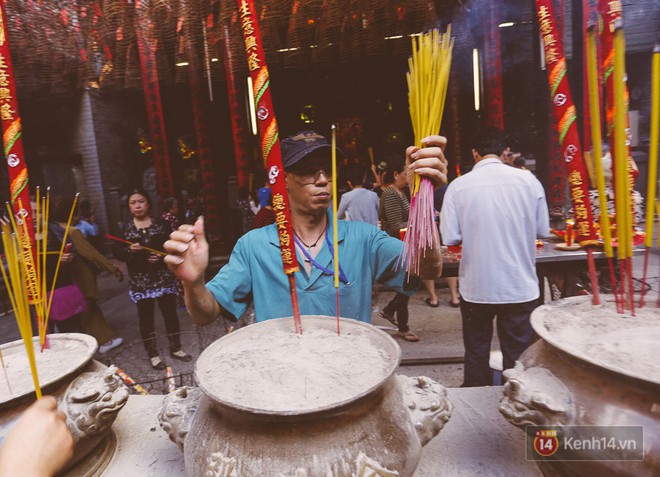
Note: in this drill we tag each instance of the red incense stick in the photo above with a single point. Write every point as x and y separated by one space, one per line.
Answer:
152 250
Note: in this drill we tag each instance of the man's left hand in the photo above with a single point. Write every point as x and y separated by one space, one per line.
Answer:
428 162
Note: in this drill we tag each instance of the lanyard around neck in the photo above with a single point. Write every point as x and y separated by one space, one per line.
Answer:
342 275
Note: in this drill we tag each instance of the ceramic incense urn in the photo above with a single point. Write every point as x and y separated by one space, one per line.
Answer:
89 393
592 366
271 402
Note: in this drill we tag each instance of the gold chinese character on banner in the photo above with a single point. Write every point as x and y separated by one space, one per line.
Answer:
6 113
280 220
581 211
3 64
287 256
545 26
244 9
4 79
578 195
285 238
543 13
250 43
583 228
253 61
278 202
5 94
575 178
551 56
549 40
246 25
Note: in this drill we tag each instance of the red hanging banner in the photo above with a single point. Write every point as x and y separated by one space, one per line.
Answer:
493 67
566 116
149 71
12 131
270 144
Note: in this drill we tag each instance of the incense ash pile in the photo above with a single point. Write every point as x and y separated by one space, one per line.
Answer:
62 358
284 371
620 342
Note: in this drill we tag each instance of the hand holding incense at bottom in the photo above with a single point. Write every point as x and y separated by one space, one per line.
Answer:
430 161
39 444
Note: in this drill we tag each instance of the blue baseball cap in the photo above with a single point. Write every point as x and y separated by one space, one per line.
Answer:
295 148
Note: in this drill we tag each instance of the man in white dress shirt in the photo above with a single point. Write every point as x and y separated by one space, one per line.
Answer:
496 212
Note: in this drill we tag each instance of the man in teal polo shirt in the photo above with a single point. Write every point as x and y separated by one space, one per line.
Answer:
254 272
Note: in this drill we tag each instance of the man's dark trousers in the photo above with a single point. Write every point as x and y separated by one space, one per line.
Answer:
513 330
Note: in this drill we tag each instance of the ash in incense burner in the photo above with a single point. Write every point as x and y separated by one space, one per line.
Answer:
272 402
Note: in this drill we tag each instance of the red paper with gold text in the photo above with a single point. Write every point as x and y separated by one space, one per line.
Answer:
566 116
270 145
12 142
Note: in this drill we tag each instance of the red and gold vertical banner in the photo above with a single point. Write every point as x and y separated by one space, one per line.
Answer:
149 70
566 116
270 144
197 95
494 101
12 131
236 113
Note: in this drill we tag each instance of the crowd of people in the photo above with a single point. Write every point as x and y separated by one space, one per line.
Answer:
497 276
377 196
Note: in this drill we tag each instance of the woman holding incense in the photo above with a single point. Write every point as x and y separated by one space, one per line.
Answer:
393 213
149 279
86 264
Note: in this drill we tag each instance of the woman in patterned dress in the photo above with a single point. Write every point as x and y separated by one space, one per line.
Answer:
149 279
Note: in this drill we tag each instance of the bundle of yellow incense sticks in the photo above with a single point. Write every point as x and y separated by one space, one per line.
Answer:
428 77
25 273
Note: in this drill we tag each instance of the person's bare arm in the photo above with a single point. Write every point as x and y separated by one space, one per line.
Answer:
188 257
40 443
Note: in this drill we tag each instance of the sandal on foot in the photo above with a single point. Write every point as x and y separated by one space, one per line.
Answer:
181 356
454 305
432 305
408 336
387 317
157 363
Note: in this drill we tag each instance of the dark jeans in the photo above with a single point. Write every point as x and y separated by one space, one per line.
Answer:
399 305
513 330
146 310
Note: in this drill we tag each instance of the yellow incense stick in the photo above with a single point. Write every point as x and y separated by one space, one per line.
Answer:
335 236
427 78
17 289
653 146
622 186
596 139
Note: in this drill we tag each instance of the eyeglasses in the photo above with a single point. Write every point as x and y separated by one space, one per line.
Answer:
312 173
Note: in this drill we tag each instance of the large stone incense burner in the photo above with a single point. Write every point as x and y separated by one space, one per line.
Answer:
592 367
274 403
90 394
